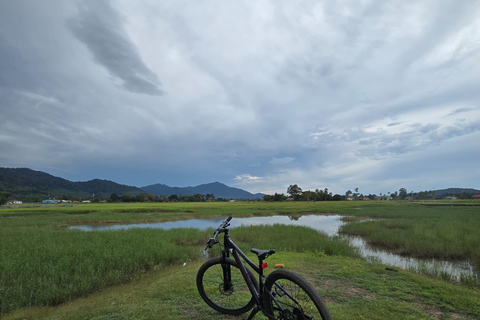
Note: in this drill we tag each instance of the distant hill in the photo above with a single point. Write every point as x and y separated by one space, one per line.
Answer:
25 183
442 192
22 182
220 190
162 189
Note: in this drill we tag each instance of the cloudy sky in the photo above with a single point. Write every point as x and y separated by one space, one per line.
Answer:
258 95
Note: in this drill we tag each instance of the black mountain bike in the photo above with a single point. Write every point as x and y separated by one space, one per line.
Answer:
227 286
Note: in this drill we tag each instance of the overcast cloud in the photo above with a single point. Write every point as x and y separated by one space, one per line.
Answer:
259 95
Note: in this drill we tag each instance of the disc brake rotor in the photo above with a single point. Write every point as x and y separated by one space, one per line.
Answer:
223 292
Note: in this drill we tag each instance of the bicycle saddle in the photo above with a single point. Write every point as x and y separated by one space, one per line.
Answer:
262 254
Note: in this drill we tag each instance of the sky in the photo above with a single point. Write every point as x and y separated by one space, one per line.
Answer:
259 95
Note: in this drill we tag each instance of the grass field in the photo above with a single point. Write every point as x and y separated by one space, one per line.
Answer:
45 264
352 289
443 232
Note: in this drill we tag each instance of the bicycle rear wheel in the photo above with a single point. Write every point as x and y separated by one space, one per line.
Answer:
231 298
297 299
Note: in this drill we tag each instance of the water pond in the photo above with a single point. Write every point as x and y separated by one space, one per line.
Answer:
329 224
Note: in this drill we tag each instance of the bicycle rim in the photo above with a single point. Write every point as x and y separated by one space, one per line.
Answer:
234 299
296 299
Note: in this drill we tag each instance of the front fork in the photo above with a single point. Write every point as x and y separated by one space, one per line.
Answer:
227 271
227 286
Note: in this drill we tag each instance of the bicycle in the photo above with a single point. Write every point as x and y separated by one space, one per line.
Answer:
229 287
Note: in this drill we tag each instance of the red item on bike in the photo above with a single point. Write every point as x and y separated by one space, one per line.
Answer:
264 265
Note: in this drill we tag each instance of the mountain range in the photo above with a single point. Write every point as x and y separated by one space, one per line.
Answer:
449 191
24 182
220 190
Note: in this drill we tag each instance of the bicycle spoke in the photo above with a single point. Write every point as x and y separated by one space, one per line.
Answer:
295 302
290 296
237 296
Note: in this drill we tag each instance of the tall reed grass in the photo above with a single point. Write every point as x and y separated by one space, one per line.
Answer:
42 263
446 239
49 265
291 238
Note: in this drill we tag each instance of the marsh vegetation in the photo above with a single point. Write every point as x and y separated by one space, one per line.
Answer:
46 264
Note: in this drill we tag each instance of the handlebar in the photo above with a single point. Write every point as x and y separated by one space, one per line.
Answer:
222 228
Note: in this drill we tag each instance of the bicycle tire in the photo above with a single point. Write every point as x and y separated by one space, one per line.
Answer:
309 306
236 301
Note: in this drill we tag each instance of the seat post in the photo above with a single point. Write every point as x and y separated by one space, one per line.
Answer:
260 262
260 281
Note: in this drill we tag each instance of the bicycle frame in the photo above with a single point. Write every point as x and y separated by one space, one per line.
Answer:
237 253
261 299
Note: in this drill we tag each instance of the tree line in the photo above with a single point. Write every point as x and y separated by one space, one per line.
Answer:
295 193
150 197
4 196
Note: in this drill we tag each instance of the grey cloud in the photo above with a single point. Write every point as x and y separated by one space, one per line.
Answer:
21 69
427 128
393 124
456 131
238 104
444 21
281 161
100 28
461 93
10 66
421 136
380 145
460 110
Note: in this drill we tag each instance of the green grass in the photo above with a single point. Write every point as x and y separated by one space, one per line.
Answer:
48 265
447 233
43 263
352 289
150 211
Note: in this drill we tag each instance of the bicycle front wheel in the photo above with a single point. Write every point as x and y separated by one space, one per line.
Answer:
295 298
230 297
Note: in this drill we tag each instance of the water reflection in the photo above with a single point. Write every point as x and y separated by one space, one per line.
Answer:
328 224
441 268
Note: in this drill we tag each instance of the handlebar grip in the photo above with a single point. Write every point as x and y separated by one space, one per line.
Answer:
222 228
210 243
